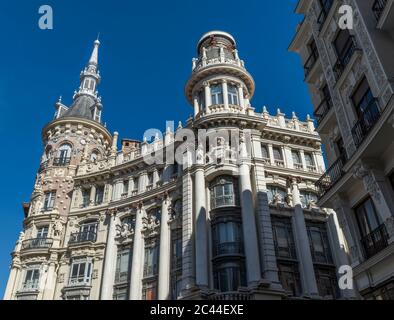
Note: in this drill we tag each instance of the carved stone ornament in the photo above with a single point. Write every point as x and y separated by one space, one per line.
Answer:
124 232
150 226
365 174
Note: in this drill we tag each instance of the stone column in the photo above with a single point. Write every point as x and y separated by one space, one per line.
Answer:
249 220
302 156
137 263
142 182
208 98
241 96
92 195
110 258
165 253
302 241
271 153
156 177
12 282
49 289
225 94
201 240
196 106
338 249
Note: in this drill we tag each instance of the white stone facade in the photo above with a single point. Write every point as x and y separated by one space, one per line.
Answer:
349 75
102 224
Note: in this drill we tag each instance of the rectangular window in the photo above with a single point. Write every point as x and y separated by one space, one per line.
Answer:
228 278
32 277
49 200
123 262
125 188
149 291
217 94
318 241
151 261
283 238
176 250
326 282
264 152
99 195
150 179
296 159
364 101
367 218
233 95
80 273
289 277
42 233
85 198
121 293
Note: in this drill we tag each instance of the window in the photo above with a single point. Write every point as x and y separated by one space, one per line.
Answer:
233 95
150 179
296 159
310 163
365 103
227 238
32 277
149 291
42 233
122 265
49 200
318 241
125 187
367 218
64 155
289 277
229 277
87 233
283 238
326 282
151 261
308 198
85 197
94 156
121 293
201 99
340 147
81 272
278 154
97 115
176 250
176 286
343 45
222 193
217 94
373 232
264 152
99 195
276 194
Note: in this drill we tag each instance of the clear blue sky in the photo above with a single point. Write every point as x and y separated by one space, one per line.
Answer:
145 60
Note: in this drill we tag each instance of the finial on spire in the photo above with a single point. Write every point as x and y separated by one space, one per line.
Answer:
93 61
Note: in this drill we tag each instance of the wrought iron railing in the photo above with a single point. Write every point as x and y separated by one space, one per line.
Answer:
39 243
331 176
31 285
366 122
344 57
323 109
378 8
325 10
310 62
84 236
61 162
231 296
375 242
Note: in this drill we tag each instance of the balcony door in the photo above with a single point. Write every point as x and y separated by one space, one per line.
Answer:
365 104
367 218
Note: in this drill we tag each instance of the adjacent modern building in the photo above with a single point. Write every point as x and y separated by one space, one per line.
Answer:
233 221
350 77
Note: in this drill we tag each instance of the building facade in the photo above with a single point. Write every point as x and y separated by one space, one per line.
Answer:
231 219
350 75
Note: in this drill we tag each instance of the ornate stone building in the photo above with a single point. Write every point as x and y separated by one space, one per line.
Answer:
350 78
232 221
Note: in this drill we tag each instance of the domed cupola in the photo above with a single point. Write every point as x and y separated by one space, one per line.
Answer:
219 82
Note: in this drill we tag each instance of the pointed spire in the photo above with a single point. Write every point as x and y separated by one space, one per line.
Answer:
93 61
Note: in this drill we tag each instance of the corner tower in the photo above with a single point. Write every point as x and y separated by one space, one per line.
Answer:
219 82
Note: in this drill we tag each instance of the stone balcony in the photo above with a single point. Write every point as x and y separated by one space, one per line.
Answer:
201 63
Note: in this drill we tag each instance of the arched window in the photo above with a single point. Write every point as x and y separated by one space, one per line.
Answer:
264 152
63 155
233 95
94 156
278 154
276 194
309 161
223 193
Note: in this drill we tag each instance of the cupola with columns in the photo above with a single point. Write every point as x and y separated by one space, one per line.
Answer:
219 82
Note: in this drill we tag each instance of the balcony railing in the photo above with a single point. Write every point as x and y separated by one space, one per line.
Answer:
228 248
345 56
378 8
310 62
323 109
31 285
84 236
366 122
231 296
39 243
331 176
61 162
375 242
324 13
